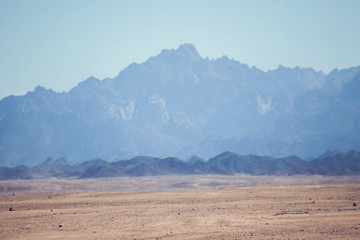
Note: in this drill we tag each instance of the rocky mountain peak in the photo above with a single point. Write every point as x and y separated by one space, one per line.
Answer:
188 51
184 54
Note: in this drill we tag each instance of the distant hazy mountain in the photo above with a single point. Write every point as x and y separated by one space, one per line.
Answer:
180 104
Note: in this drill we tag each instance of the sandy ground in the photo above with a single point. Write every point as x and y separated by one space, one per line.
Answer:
203 209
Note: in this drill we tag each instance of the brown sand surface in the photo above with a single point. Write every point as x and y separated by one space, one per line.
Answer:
204 208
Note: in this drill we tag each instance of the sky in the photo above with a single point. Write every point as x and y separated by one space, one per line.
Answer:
59 43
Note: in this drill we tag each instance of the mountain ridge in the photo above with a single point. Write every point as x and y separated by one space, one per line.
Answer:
227 163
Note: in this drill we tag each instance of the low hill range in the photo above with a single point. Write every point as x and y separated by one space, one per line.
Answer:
331 163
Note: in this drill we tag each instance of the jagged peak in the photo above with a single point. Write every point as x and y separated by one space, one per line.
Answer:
297 69
39 88
39 91
186 51
91 81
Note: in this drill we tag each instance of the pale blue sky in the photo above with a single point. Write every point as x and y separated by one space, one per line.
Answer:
57 44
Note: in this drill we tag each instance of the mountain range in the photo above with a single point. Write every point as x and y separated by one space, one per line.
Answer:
331 163
181 104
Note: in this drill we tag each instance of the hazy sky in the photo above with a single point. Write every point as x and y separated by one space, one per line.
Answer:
58 44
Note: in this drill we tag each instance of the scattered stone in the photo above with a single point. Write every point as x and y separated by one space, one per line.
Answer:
354 204
281 213
178 213
60 225
11 209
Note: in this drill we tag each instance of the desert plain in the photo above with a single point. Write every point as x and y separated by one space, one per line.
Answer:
182 207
